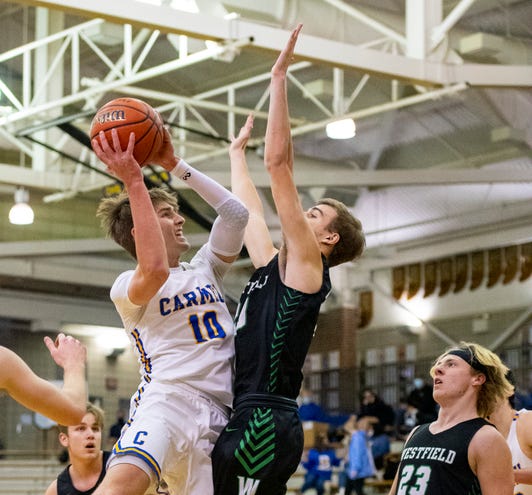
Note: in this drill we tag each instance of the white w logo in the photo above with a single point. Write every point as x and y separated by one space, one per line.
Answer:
247 486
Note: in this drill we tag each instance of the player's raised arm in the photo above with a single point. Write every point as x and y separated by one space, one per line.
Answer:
257 237
65 406
150 251
303 256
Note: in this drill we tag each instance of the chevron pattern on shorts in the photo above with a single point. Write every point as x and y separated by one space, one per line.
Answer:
284 316
256 449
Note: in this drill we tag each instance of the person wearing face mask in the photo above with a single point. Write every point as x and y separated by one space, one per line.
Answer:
375 407
310 410
421 399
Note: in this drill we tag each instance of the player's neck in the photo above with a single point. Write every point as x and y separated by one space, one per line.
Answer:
82 469
502 419
173 261
450 416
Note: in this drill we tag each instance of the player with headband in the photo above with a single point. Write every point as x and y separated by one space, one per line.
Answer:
460 453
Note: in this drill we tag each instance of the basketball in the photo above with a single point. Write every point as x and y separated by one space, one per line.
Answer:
128 115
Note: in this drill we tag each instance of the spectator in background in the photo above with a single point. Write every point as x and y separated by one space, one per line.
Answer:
359 464
421 399
116 428
408 423
309 410
380 445
399 417
373 406
319 465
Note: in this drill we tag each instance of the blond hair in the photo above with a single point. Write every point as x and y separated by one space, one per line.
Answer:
483 361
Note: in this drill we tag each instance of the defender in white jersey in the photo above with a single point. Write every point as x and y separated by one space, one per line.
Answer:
516 427
176 318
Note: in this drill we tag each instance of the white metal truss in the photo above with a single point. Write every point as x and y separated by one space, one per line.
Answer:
412 51
309 47
128 70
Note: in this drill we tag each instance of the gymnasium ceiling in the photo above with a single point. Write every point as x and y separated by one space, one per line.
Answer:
440 92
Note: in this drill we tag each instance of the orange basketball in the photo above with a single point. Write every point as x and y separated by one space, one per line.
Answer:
128 115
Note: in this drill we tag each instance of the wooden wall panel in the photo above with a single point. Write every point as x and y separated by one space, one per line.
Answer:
526 261
494 266
461 271
365 303
398 281
414 279
477 269
511 263
430 277
445 267
456 272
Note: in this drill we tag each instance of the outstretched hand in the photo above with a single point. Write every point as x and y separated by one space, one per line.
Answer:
120 163
240 142
165 156
67 351
287 55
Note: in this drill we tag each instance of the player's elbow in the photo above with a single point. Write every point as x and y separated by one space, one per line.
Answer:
234 214
276 161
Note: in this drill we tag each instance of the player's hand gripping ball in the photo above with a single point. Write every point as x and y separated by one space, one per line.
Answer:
128 115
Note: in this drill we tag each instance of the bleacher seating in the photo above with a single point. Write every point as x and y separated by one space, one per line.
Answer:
32 477
27 476
373 486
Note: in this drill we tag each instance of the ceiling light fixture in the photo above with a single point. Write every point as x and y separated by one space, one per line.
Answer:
21 212
341 129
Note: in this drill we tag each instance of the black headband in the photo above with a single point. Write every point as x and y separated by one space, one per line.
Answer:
469 357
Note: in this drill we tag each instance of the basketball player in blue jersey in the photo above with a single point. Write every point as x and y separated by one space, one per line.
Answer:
176 318
262 444
460 453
